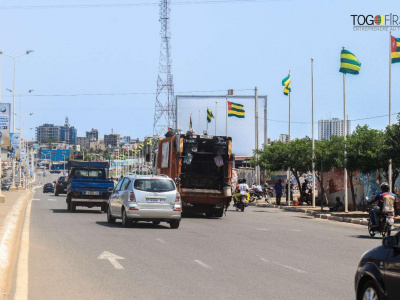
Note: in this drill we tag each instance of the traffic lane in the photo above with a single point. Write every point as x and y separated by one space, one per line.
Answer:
183 253
250 256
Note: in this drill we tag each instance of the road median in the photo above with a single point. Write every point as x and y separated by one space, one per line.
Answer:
10 231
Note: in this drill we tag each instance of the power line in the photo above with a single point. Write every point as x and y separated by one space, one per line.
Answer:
123 94
127 5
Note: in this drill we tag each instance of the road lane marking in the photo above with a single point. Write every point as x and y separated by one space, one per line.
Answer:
112 258
161 241
35 199
284 266
52 199
262 229
203 264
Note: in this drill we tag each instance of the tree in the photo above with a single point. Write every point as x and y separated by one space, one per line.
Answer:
363 153
295 155
392 150
328 156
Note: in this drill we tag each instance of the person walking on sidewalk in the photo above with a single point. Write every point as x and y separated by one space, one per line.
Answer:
278 191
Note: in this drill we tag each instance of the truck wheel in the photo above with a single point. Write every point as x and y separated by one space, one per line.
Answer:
125 220
219 213
209 214
174 224
73 207
110 218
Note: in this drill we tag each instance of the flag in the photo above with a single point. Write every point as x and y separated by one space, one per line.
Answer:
235 110
209 115
287 85
395 49
190 123
349 63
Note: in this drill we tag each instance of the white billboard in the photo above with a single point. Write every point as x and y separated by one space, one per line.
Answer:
5 124
242 130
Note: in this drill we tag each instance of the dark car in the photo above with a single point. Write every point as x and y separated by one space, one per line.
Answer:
48 187
61 185
378 272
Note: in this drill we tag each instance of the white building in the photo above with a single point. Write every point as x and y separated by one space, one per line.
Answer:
284 138
334 126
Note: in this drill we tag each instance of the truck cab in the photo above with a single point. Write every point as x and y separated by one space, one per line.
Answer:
88 185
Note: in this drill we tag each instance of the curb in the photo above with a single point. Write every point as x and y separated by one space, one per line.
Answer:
9 232
318 214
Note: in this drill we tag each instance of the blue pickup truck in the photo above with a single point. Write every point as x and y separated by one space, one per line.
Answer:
88 185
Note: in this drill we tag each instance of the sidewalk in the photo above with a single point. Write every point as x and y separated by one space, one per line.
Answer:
12 213
11 198
355 217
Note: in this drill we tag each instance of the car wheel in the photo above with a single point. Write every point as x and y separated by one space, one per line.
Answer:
110 218
370 291
174 224
125 220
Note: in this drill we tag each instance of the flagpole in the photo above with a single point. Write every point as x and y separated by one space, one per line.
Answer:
216 114
256 137
390 105
313 139
207 122
226 116
346 204
288 172
199 123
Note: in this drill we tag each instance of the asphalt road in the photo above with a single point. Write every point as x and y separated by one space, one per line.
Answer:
261 253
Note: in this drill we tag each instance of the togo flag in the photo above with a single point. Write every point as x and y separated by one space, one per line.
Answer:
235 110
287 84
349 63
209 115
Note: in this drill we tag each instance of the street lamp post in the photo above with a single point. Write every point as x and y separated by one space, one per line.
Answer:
13 108
20 122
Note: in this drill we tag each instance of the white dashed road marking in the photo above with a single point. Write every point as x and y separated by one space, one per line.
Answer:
161 241
284 266
203 264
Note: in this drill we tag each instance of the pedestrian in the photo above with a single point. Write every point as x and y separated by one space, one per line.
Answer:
278 191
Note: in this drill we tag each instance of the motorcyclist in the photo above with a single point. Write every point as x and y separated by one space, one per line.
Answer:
241 187
386 201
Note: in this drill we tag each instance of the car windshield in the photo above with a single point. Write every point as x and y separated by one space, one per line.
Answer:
88 173
62 179
154 185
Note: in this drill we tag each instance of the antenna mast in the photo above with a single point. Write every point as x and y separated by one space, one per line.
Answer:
164 113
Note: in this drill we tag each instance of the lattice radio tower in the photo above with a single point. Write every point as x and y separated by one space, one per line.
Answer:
164 113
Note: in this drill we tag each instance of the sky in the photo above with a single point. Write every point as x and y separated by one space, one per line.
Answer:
98 65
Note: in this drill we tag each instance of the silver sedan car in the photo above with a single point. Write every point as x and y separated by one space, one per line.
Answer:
148 198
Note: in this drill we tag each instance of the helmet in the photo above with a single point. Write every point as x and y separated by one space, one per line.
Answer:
385 187
384 184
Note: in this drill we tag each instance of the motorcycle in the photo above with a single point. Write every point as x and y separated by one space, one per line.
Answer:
385 223
242 201
255 195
